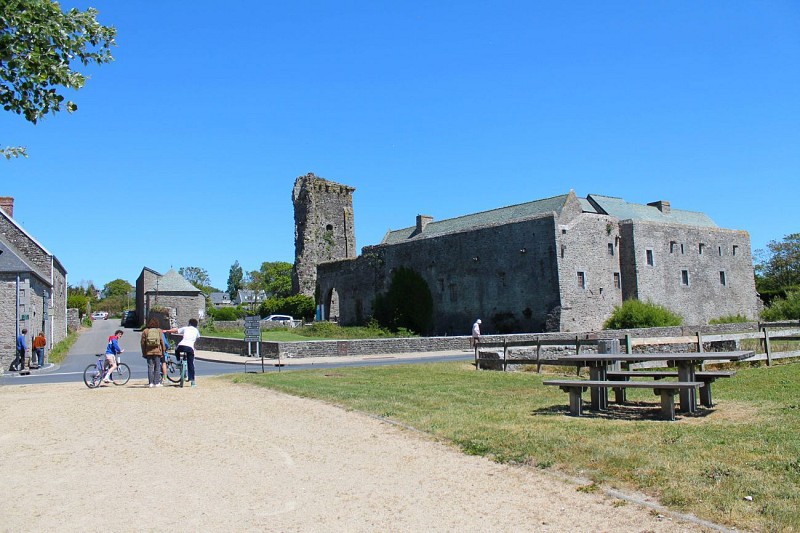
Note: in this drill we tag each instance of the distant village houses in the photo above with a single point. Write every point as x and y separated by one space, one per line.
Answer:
171 292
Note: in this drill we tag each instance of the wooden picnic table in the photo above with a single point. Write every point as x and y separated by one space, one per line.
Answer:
686 363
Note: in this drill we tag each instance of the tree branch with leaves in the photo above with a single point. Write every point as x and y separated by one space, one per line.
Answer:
39 45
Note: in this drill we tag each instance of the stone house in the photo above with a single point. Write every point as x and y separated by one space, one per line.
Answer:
220 299
249 297
556 264
33 288
171 292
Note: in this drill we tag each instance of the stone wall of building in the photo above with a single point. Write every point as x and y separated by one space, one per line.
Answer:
324 228
73 319
184 306
8 320
507 275
698 273
589 271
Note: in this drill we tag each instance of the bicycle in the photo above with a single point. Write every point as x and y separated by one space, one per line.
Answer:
93 375
177 370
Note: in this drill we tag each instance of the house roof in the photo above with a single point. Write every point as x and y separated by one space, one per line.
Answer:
173 282
11 261
34 241
594 203
619 208
502 215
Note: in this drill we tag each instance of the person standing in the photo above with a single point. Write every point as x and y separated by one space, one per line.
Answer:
19 360
190 334
38 349
476 333
153 349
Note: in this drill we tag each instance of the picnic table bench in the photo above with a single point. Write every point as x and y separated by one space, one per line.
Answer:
667 389
707 377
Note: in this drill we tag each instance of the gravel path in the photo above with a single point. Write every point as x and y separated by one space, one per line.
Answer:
224 457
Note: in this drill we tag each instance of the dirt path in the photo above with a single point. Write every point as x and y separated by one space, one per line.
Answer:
225 457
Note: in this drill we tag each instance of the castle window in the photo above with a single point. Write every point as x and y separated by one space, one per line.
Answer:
672 246
563 251
722 280
685 277
735 249
649 257
616 280
582 280
611 248
700 248
329 227
453 292
681 248
720 250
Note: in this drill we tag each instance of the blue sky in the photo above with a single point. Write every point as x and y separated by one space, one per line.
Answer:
184 151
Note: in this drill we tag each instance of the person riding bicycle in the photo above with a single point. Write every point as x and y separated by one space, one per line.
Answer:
112 350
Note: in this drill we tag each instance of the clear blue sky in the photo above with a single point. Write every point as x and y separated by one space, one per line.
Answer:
184 151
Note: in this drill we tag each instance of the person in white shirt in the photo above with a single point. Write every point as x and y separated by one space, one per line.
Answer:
186 345
476 333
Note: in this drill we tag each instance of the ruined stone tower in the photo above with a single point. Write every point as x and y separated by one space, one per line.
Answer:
323 228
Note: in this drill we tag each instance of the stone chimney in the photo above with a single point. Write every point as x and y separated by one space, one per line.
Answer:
422 221
7 205
662 206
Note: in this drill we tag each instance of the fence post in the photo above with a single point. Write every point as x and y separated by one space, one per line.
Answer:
767 347
538 353
700 349
628 347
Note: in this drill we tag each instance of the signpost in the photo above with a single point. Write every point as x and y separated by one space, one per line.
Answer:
252 333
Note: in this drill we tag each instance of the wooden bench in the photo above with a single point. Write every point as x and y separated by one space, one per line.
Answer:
667 389
707 377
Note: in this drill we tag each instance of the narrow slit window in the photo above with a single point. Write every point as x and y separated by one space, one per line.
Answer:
611 248
616 280
649 254
581 280
700 248
672 246
685 277
735 249
722 280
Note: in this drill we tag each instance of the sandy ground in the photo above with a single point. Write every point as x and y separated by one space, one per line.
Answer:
224 457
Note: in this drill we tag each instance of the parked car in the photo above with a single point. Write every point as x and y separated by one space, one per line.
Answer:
278 320
100 315
128 319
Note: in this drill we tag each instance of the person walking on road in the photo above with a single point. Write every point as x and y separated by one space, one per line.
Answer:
476 333
38 349
19 360
153 349
185 347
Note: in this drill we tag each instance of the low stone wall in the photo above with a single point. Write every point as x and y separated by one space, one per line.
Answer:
335 348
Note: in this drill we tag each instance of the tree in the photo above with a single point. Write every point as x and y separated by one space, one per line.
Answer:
407 304
235 279
196 276
118 287
778 268
274 278
39 45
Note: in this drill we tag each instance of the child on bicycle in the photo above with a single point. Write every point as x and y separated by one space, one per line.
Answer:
112 350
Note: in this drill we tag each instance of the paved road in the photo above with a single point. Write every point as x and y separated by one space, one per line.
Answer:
94 340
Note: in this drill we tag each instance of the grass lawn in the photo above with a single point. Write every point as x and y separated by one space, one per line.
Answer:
748 445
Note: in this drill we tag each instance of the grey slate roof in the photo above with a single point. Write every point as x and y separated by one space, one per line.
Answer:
173 282
594 203
502 215
11 261
619 208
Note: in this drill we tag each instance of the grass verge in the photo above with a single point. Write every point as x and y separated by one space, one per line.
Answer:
59 352
748 445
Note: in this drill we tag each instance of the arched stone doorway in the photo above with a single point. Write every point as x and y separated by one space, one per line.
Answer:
332 305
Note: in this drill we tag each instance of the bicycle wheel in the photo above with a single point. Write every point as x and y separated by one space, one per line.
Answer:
92 377
121 375
173 371
183 371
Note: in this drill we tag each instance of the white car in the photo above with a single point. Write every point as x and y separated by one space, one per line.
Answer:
100 315
278 320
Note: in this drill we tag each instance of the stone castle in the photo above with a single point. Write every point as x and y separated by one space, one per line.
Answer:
555 264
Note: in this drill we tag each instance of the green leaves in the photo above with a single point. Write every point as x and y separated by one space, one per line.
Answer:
39 45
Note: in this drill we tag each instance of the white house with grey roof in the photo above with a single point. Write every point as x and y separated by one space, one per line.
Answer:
555 264
171 292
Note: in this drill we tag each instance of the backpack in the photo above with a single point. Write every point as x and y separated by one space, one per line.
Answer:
152 339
